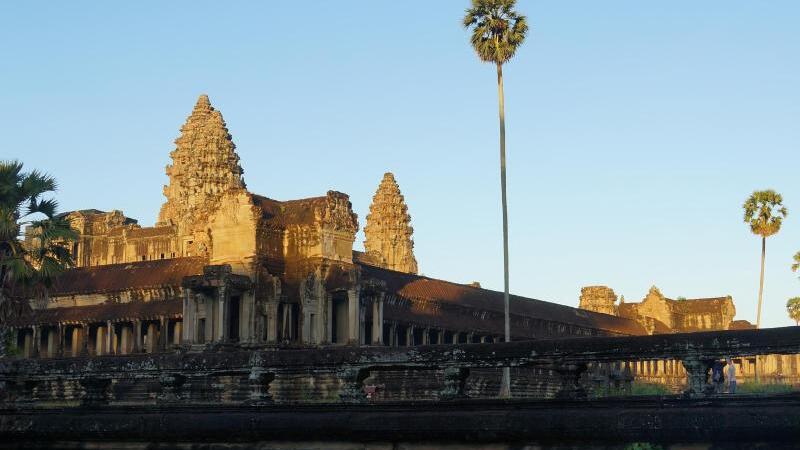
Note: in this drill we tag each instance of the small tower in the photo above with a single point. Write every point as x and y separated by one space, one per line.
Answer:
388 230
204 167
598 299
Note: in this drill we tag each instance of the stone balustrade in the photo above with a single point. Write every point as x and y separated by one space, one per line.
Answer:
234 375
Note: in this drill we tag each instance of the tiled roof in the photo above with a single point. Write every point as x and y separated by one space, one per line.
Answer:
417 287
101 313
124 276
741 325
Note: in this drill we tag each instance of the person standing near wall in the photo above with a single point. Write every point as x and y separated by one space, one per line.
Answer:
731 376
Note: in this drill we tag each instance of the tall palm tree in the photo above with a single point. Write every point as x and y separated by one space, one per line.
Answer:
34 263
497 33
764 212
793 308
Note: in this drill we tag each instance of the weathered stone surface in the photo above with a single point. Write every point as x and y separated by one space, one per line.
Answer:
204 167
388 230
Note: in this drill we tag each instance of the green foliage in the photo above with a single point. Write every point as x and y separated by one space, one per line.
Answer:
497 30
793 309
764 211
643 446
762 388
681 299
796 264
638 388
7 346
35 262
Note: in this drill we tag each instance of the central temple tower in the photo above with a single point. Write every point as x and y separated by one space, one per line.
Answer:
204 167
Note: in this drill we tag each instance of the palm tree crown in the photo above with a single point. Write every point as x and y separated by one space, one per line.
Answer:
796 264
36 261
793 308
497 30
764 211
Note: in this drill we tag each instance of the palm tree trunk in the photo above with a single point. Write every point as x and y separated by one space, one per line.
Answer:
761 282
505 388
760 294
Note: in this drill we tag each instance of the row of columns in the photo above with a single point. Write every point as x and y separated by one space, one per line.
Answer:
110 337
410 335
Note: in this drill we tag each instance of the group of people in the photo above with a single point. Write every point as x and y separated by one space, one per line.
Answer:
718 379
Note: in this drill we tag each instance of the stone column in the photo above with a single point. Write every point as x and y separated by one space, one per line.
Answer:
99 341
322 318
329 318
410 336
455 337
440 337
362 325
377 319
163 333
151 338
189 316
220 334
353 316
176 332
137 336
392 334
109 338
50 343
59 352
125 339
37 341
75 344
272 321
84 345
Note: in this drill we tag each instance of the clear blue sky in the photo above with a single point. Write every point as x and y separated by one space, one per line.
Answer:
635 129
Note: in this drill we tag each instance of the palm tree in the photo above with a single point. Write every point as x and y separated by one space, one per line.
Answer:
34 263
497 33
793 308
764 211
796 264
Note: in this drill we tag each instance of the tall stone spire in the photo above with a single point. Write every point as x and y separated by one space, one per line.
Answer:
204 167
388 230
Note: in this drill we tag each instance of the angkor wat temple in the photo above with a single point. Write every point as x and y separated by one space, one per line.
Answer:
226 266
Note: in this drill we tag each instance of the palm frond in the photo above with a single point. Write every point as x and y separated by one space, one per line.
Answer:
497 30
764 212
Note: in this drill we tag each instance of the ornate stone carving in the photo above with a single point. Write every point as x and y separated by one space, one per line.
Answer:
338 213
205 167
598 299
388 230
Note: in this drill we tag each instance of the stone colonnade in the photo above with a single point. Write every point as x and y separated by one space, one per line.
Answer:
95 338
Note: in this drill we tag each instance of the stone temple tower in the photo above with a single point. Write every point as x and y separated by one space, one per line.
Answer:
204 167
598 299
388 230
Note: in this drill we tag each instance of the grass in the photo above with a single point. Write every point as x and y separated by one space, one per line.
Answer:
638 388
762 388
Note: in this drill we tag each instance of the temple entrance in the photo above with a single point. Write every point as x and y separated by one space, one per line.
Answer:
339 319
233 319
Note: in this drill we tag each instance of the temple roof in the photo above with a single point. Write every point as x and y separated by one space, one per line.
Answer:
418 287
333 208
125 276
100 313
291 212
